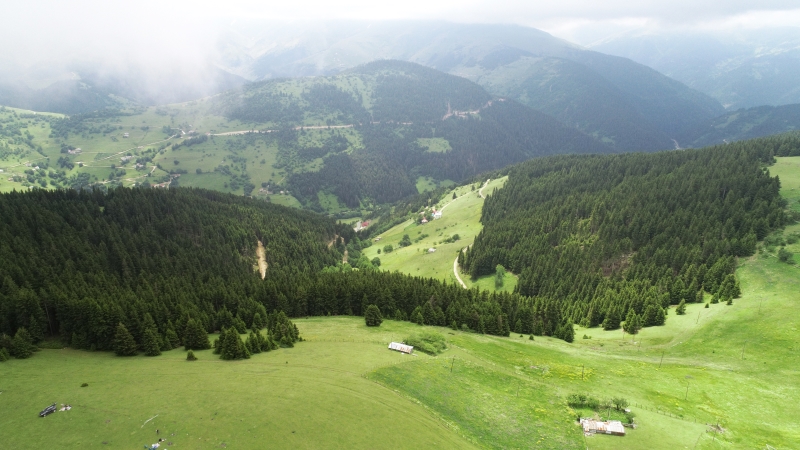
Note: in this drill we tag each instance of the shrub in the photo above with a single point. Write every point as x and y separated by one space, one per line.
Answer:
190 356
428 342
388 248
619 403
84 384
785 256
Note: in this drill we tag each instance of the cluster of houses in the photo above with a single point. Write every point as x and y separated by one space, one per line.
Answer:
436 215
76 151
361 225
125 159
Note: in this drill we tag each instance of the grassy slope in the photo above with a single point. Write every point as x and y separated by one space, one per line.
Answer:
460 216
738 363
312 396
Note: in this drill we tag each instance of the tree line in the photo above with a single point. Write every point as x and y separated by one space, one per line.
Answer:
168 265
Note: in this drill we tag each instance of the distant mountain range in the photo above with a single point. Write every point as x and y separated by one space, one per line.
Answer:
660 91
741 69
618 101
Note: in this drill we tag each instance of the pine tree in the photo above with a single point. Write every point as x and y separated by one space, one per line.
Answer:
151 343
253 343
416 316
568 332
22 345
190 356
124 345
681 309
195 337
172 338
258 322
231 345
632 324
373 316
4 355
611 321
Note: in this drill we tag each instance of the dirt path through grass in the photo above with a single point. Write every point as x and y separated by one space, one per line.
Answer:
455 271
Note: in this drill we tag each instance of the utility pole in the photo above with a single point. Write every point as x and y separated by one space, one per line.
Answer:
698 317
582 368
452 363
743 346
686 397
662 358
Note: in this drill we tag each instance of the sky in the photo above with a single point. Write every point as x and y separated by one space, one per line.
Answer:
163 33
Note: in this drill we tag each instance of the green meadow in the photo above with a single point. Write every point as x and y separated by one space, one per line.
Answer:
460 216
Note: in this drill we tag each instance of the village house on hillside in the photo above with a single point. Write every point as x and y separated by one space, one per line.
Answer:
614 427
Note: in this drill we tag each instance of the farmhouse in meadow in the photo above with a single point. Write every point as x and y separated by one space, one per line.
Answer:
613 427
403 348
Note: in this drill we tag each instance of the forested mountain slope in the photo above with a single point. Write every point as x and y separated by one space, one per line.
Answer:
608 235
397 109
531 66
744 124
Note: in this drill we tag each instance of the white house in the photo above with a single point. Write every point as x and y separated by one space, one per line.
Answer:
401 347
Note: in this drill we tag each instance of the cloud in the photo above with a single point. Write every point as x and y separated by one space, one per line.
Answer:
163 36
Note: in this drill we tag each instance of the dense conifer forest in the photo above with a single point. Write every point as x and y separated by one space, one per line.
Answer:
616 236
77 264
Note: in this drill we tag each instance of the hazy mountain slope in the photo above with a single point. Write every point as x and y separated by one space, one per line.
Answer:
745 124
578 96
341 144
613 98
396 107
740 69
86 87
67 96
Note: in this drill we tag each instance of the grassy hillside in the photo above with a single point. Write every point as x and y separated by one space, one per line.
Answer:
460 216
311 396
339 145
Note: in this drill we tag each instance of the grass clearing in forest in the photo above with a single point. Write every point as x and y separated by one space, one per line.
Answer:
460 216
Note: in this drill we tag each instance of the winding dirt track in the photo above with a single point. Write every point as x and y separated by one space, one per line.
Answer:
455 271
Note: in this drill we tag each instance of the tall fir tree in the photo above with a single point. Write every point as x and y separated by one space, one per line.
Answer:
151 343
195 336
124 344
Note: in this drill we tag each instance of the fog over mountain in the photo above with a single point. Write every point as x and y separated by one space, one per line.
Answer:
741 68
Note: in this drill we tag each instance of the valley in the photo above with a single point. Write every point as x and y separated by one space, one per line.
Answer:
240 231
